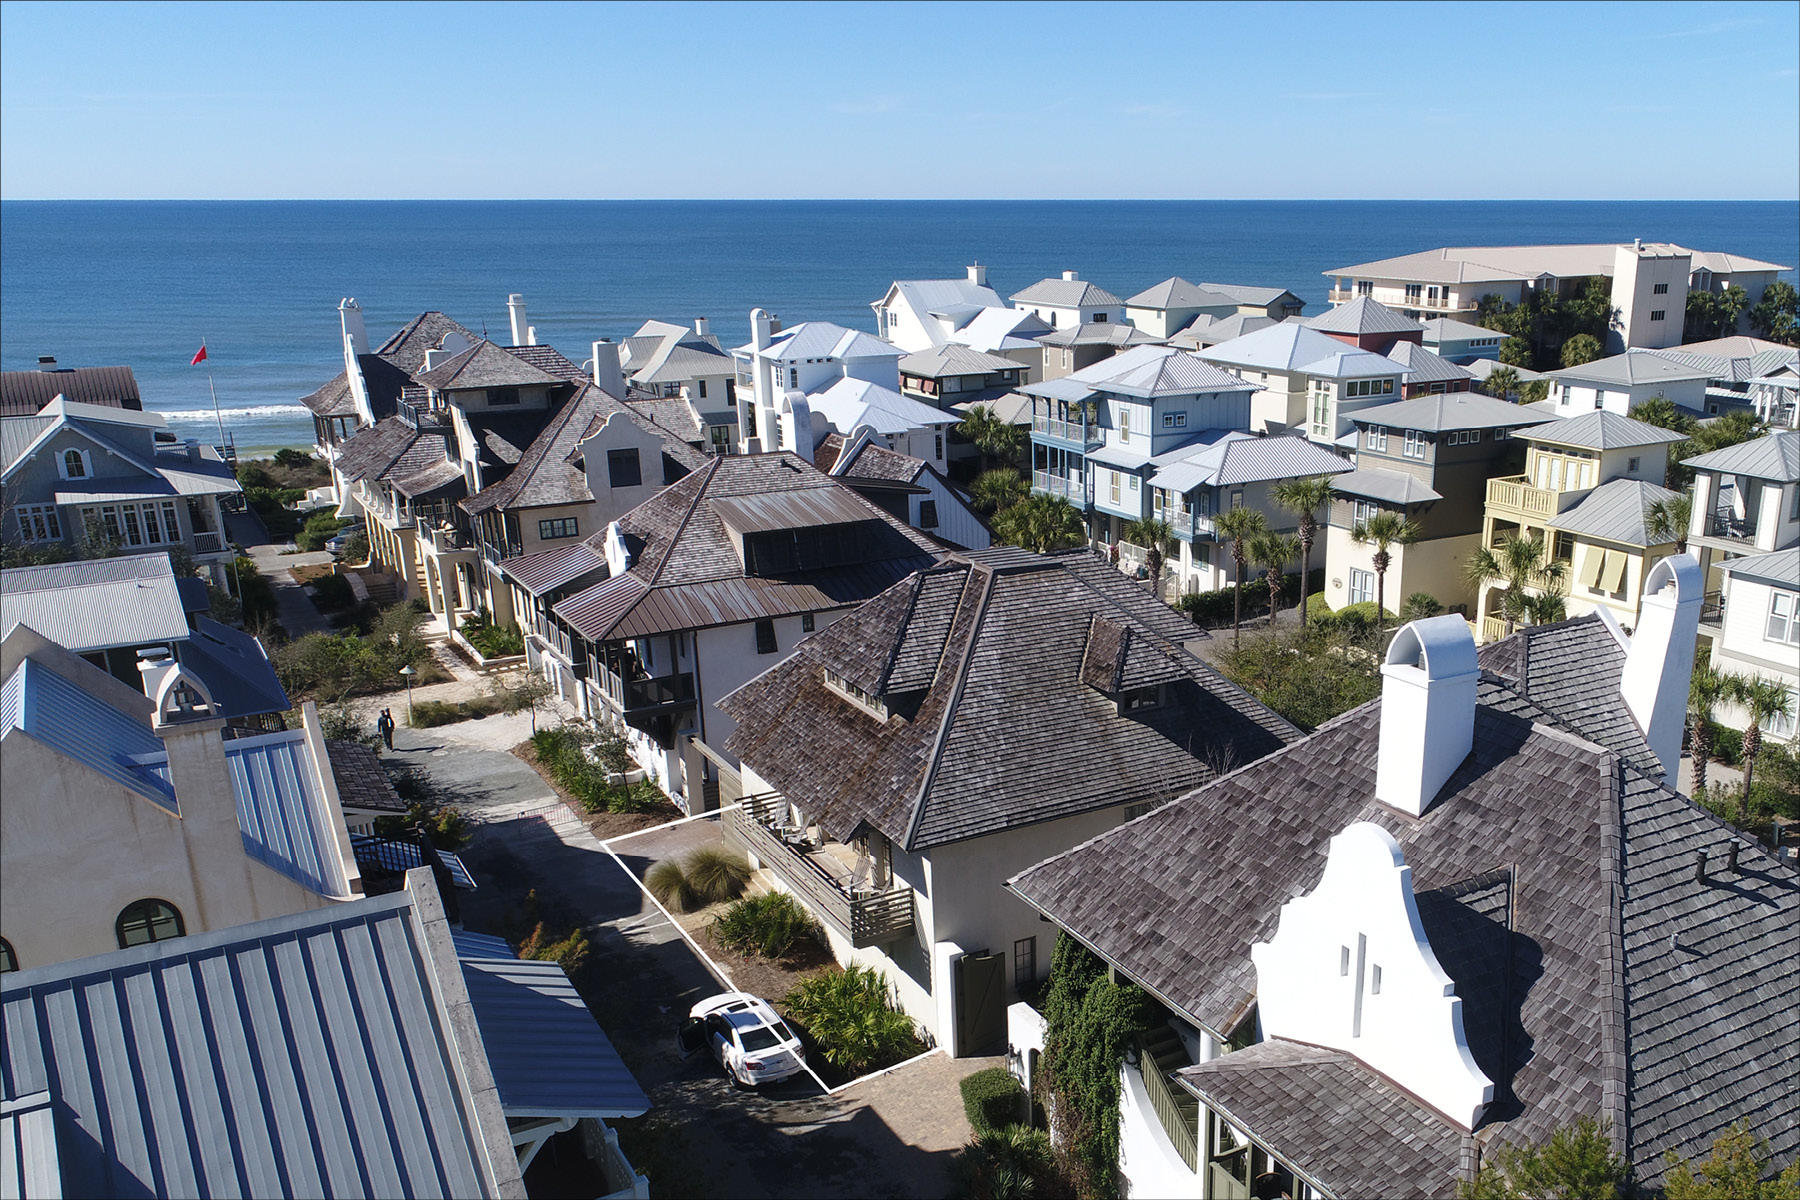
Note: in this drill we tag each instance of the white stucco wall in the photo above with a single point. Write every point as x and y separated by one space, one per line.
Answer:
1147 1158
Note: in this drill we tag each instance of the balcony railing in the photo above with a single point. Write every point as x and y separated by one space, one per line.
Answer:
867 917
1435 303
1723 523
445 538
1712 609
1492 629
1058 484
633 696
421 417
208 542
1081 434
1177 1112
1516 494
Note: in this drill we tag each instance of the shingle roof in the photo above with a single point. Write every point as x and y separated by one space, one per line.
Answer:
1614 512
23 393
1342 1123
1774 456
1781 568
484 365
1176 292
427 331
373 449
1600 429
998 641
1065 293
1392 487
1362 315
548 360
362 782
686 573
1553 920
672 416
873 462
1448 411
952 359
332 399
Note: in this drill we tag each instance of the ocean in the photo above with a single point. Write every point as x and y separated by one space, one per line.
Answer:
142 283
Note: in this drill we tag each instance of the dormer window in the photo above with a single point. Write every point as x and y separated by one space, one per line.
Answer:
75 464
867 701
1139 699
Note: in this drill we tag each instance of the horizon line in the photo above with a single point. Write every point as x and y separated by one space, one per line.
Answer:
894 200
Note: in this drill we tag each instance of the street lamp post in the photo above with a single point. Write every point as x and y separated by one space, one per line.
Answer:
409 673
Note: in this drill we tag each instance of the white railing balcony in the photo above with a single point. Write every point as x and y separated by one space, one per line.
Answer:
1056 484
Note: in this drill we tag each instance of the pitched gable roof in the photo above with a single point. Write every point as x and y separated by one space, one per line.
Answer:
23 393
1600 429
1614 512
1176 292
1450 410
407 347
1066 293
1285 346
1362 315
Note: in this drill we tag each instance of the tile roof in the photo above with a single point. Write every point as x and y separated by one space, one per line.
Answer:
1448 411
1065 293
1614 512
23 393
323 1054
687 574
1345 1125
1577 1000
1774 456
1393 487
952 359
1362 315
1600 429
94 604
485 365
998 641
1176 292
362 782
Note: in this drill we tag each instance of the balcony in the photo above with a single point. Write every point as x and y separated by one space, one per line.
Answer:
445 538
644 695
1492 629
1515 494
1429 303
1726 525
1059 485
209 542
1076 433
421 417
817 875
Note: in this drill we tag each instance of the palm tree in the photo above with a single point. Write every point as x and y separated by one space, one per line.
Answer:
1501 382
1240 527
1519 563
1041 523
1667 520
1304 498
1158 540
1275 551
1763 699
999 489
997 440
1383 530
1707 686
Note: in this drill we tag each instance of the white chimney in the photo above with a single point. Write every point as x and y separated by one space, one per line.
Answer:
609 377
761 330
46 362
978 275
350 320
515 312
1071 276
1654 683
702 326
1427 711
531 335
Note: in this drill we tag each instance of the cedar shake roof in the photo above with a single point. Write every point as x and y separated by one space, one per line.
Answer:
986 653
390 448
548 360
333 399
686 573
1556 884
879 464
485 365
361 780
427 331
1570 671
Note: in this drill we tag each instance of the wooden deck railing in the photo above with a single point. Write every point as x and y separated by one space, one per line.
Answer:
871 919
1516 493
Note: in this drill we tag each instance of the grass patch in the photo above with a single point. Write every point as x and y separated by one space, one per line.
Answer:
429 713
709 875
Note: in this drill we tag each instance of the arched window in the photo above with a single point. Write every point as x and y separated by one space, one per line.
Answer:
145 921
74 464
8 960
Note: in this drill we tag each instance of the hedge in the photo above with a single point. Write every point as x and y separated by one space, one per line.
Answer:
992 1100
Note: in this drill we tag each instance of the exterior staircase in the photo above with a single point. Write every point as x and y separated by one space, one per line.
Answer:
1161 1055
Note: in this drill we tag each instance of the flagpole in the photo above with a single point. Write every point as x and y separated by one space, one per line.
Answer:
219 418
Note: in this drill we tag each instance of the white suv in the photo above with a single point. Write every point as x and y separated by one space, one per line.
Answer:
747 1037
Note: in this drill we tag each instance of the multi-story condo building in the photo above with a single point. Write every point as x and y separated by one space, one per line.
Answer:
1649 281
1070 301
1429 460
1353 995
1586 484
1165 309
98 479
923 314
1098 435
903 762
649 621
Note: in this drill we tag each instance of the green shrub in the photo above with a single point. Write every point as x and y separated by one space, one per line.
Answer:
1420 605
578 760
429 713
717 874
570 952
1308 676
447 827
320 528
255 593
767 925
356 549
1014 1163
992 1099
669 883
493 641
852 1019
332 593
292 459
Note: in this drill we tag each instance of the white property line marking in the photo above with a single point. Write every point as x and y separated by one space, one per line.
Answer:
884 1071
706 958
705 816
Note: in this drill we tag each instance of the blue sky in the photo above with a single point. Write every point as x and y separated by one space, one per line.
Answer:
1427 100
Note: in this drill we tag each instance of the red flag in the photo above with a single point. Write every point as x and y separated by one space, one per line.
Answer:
199 356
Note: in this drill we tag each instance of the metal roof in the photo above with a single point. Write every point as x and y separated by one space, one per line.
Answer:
1176 292
1354 364
235 669
1001 329
285 818
795 509
1364 314
1280 347
823 339
1614 512
1424 366
96 604
1248 294
1450 410
849 403
1205 331
23 393
1634 368
1239 458
1449 329
1147 372
1391 487
1098 333
1781 568
40 703
320 1054
1066 293
1775 457
548 570
952 359
1601 430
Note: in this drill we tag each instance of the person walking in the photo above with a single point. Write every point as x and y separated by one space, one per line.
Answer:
384 725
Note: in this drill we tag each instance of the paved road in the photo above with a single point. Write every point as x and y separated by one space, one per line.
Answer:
889 1136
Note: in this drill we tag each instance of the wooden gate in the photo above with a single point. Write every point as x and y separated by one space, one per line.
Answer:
980 982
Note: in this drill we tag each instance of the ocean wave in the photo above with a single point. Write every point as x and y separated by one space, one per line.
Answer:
232 414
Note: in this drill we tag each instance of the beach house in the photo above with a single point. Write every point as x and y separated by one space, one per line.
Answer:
1164 309
1069 301
923 314
973 718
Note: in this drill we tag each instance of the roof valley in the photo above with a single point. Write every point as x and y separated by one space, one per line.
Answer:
981 579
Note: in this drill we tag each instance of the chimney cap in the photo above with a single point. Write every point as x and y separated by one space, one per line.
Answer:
1441 645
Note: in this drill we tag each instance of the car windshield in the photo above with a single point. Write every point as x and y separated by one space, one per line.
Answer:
763 1037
